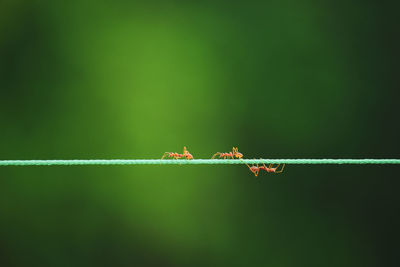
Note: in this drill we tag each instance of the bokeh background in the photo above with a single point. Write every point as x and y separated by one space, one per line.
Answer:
125 79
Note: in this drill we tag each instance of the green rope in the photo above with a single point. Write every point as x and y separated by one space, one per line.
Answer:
194 161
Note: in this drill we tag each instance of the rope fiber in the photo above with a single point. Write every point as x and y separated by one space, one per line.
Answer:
191 162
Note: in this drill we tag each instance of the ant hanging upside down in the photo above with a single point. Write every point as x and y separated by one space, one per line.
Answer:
256 169
175 155
235 153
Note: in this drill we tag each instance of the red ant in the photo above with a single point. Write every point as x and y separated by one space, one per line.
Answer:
234 153
175 155
256 169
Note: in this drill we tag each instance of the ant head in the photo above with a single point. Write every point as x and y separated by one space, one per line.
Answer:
238 155
254 170
189 156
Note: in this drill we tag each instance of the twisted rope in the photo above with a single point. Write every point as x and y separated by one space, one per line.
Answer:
190 162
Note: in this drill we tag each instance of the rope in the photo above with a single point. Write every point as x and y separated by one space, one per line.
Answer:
191 162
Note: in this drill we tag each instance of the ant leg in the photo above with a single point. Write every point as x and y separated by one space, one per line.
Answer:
258 170
276 168
218 153
164 155
283 166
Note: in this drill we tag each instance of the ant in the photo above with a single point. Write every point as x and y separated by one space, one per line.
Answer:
256 169
175 155
235 153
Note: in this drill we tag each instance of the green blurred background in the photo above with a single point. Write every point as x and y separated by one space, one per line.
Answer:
123 79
